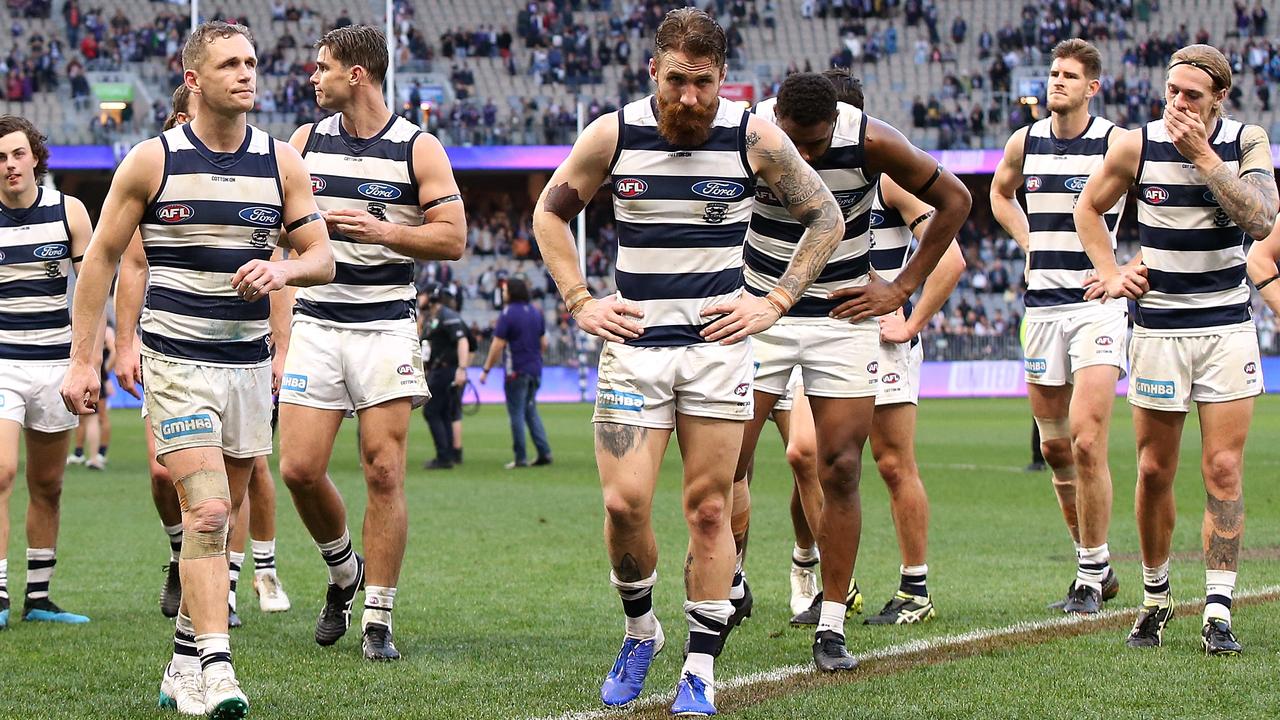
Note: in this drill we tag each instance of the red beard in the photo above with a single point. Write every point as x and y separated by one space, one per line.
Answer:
683 126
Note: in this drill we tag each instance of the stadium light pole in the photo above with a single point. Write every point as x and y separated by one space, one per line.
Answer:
390 86
195 14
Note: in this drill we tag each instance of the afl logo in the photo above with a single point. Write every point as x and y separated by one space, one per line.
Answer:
318 184
260 215
630 187
50 252
1076 184
719 189
891 378
876 219
405 369
380 191
175 213
1250 368
1033 183
1155 195
873 367
1103 340
742 389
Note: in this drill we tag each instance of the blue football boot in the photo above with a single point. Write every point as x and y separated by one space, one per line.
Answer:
625 681
694 697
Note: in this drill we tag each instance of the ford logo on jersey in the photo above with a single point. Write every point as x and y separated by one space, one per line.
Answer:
381 191
876 219
175 213
50 252
260 215
722 189
1076 184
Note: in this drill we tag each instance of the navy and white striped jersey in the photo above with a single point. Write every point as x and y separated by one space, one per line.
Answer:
214 213
1193 250
891 239
372 286
1055 172
35 261
682 214
772 239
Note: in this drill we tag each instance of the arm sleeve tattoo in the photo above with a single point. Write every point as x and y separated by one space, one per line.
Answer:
1250 200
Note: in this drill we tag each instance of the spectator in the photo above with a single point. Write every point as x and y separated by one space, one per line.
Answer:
521 329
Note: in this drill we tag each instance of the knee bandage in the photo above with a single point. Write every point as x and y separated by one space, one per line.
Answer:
196 488
1053 428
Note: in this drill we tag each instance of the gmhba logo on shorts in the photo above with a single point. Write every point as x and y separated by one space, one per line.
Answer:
1035 366
618 400
296 383
1155 388
186 425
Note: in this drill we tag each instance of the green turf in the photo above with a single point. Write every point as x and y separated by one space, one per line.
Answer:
504 609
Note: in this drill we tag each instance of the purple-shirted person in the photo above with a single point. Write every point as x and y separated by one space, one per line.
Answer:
522 331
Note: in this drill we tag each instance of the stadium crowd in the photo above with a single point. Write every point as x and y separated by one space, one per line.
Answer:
552 41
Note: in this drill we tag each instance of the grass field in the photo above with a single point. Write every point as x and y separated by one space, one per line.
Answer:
504 609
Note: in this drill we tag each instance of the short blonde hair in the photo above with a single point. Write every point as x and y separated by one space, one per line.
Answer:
193 51
1207 58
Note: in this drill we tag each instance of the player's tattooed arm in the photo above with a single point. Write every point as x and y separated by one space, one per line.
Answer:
1250 201
1248 196
801 190
1226 525
618 440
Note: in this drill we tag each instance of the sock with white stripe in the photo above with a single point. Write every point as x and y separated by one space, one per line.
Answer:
341 559
1219 585
1092 566
264 556
804 557
175 540
913 580
215 652
40 564
737 590
234 562
378 603
637 604
185 655
707 619
832 617
1155 584
4 578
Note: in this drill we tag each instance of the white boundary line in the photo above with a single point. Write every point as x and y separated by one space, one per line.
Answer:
908 648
